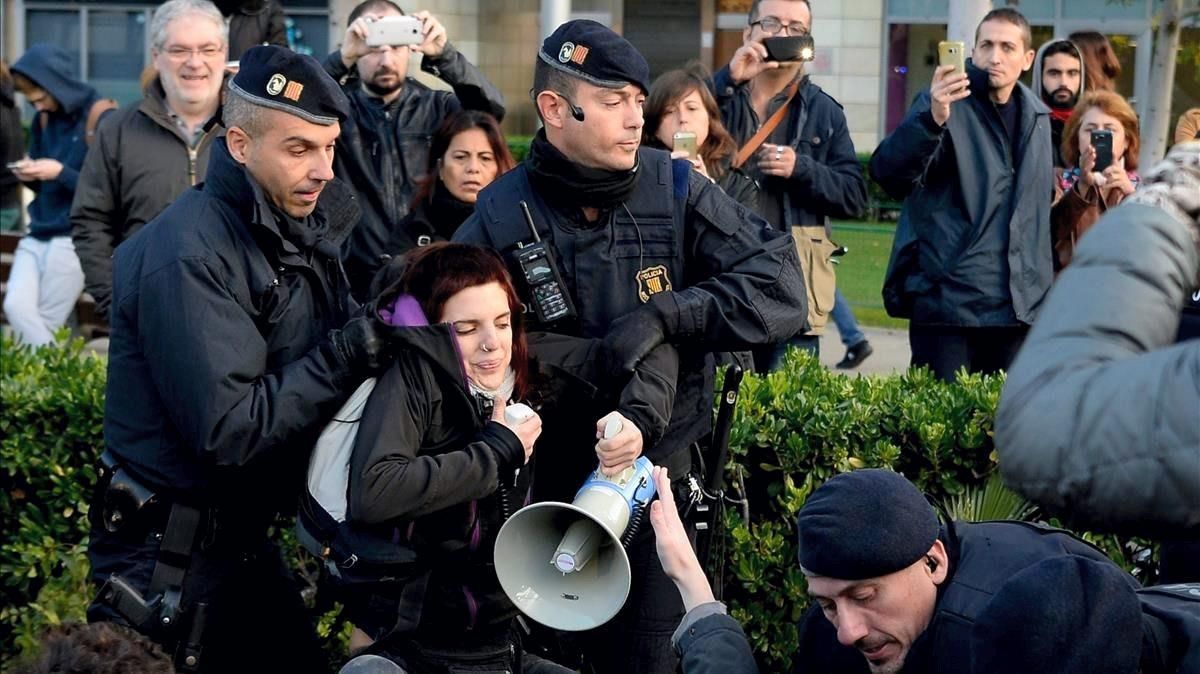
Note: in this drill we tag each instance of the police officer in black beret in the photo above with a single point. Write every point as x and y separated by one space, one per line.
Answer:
233 342
642 250
897 591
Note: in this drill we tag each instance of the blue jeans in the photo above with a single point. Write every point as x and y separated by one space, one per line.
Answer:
843 317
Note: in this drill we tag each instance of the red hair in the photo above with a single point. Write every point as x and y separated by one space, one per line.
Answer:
435 273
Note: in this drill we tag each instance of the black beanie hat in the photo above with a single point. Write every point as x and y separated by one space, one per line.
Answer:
864 524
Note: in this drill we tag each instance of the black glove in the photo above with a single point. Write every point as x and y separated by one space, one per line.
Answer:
631 338
364 344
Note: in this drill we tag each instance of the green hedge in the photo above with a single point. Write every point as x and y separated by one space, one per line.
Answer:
793 429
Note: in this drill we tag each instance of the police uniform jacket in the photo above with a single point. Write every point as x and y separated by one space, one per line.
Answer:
220 374
729 280
432 477
384 148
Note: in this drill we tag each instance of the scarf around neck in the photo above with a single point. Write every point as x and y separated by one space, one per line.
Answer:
562 181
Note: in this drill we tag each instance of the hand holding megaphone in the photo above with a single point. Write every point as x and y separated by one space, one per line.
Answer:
620 443
521 420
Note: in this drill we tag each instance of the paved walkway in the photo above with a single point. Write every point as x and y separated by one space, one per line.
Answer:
891 350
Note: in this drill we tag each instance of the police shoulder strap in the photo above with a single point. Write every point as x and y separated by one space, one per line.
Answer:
765 130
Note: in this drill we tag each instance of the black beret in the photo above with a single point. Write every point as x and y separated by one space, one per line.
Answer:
1068 614
279 78
864 524
593 53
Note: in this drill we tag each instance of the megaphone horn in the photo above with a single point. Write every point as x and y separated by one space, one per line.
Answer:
564 564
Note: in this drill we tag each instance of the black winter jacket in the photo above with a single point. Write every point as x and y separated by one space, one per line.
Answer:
138 164
973 247
427 462
12 139
387 180
827 181
253 23
221 374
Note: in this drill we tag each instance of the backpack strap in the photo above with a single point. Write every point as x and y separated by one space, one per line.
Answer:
99 107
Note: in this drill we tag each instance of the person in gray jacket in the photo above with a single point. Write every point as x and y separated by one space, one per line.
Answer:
971 261
384 146
145 156
1100 417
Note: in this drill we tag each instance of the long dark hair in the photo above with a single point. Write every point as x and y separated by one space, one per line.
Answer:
463 120
668 90
435 273
1101 68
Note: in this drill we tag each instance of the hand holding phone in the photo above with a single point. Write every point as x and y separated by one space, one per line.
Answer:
685 141
395 31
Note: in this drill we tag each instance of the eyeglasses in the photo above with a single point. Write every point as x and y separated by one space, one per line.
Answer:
772 25
209 51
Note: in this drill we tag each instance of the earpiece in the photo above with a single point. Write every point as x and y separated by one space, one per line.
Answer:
576 111
931 563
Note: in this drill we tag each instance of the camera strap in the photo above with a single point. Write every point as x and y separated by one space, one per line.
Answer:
765 130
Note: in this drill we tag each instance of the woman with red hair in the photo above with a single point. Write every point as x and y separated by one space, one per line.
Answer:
1083 193
436 466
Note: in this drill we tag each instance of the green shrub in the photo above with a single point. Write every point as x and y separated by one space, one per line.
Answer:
51 432
801 425
793 429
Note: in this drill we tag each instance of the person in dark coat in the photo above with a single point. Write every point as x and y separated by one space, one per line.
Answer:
436 464
145 156
649 252
384 148
467 153
46 279
234 340
971 260
13 138
252 23
807 167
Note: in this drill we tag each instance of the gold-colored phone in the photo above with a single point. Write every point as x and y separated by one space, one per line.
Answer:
685 141
953 53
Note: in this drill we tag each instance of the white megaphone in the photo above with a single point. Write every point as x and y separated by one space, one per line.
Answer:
564 565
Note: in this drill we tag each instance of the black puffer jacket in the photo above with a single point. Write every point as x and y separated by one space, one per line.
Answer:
12 139
427 464
221 374
384 148
137 165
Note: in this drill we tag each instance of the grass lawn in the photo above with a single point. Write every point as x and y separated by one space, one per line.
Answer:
860 274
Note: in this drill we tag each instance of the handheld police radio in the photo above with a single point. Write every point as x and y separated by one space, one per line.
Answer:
550 300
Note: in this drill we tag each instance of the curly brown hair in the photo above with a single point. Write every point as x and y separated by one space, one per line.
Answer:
97 648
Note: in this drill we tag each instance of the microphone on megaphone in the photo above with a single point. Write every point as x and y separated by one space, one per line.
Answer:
564 564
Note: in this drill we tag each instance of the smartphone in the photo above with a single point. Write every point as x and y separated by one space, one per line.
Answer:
396 31
953 53
14 164
1102 143
790 48
686 141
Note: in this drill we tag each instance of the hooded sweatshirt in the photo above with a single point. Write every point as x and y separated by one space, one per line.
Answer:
63 137
1057 116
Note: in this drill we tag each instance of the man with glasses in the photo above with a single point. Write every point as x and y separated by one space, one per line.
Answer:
806 165
384 145
147 155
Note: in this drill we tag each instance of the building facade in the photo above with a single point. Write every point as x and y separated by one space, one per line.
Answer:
872 55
